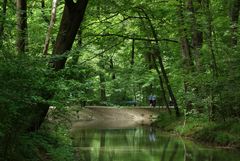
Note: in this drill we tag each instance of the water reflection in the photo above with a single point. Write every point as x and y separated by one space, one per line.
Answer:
142 144
152 137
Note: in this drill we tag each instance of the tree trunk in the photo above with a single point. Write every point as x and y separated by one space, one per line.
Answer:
212 107
102 80
79 37
43 12
53 18
112 69
2 21
72 17
38 114
210 38
234 15
132 53
161 82
102 87
151 61
171 94
157 54
185 50
197 36
75 56
185 46
21 41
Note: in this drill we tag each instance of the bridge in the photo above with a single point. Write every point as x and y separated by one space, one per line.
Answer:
115 117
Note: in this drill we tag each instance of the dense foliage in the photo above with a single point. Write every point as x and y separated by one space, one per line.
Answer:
123 51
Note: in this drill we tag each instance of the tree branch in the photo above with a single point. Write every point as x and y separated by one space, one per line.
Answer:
135 38
101 53
101 21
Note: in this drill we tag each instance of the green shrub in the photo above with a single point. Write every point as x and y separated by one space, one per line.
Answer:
23 82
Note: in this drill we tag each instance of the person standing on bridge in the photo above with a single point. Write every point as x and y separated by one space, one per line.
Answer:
152 100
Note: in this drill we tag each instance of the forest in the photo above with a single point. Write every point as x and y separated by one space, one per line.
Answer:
60 57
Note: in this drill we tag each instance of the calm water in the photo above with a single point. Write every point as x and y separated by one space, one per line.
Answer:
142 144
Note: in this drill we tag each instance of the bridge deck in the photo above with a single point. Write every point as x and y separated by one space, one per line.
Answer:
129 107
112 117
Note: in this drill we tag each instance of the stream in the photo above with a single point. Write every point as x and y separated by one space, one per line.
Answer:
142 144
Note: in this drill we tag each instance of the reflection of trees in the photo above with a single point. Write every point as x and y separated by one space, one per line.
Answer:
125 136
130 137
205 156
84 155
165 149
193 153
111 156
210 158
133 144
102 145
174 152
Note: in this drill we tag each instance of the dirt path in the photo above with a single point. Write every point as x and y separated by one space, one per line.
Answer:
110 117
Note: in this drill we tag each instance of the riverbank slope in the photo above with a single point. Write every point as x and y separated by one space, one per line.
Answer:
220 133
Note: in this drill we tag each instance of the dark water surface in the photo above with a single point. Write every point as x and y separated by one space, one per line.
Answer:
142 144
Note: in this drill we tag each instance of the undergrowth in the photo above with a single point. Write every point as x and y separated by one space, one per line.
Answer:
220 133
43 145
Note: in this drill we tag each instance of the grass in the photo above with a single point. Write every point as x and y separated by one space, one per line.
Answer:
222 133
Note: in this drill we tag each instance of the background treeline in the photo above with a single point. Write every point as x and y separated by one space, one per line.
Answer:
110 52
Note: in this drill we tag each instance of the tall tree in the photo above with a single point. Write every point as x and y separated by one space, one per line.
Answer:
160 81
53 18
197 35
209 37
234 16
184 42
185 48
72 17
2 21
112 68
157 54
21 41
102 80
150 58
132 52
